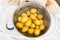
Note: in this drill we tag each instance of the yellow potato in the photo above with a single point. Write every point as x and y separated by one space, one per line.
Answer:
19 25
41 22
25 29
28 23
19 19
35 14
24 14
37 27
42 27
32 25
32 16
33 10
37 22
24 19
31 31
40 16
28 13
37 32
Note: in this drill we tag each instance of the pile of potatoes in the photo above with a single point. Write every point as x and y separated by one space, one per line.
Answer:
31 22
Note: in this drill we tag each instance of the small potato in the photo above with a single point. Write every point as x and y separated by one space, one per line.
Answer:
19 19
32 16
24 14
19 25
33 10
35 14
28 23
37 27
31 31
37 22
41 22
37 32
32 25
25 29
42 27
24 19
28 13
40 16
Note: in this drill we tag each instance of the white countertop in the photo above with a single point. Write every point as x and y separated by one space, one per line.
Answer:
54 8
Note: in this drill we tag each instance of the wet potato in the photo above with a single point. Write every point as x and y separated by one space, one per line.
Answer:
31 23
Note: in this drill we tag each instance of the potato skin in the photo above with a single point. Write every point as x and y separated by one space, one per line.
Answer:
28 23
24 19
42 27
32 25
33 10
37 22
24 29
19 25
19 19
31 31
37 32
32 16
28 13
40 16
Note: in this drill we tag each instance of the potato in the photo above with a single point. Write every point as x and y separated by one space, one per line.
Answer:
19 25
42 27
19 19
40 16
35 14
37 27
25 29
32 25
31 31
37 22
28 13
28 23
24 14
32 16
37 32
41 22
33 10
24 19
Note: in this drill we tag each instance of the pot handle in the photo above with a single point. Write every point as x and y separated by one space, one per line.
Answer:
9 25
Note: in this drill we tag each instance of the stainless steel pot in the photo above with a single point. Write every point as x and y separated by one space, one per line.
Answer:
27 6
